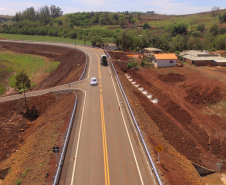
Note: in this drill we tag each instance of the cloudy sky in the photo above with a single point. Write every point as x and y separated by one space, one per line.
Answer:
10 7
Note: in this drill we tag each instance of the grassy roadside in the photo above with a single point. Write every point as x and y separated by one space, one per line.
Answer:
11 64
41 38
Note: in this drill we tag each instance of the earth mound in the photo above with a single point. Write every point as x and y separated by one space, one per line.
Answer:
28 144
171 77
199 94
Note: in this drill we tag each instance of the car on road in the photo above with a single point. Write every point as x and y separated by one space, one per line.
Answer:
93 81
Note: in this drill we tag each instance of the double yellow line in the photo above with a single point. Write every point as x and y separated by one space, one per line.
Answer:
105 150
106 167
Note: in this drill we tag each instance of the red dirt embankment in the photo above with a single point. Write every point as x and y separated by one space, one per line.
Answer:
178 122
28 144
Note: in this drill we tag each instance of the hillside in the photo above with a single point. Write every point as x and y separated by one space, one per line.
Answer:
129 31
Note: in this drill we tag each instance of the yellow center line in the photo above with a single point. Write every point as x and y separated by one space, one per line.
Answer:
98 66
106 167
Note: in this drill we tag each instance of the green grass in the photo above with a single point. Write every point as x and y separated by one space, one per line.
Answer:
18 182
205 18
41 38
11 64
24 174
2 89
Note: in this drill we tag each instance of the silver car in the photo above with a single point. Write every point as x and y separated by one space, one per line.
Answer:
93 81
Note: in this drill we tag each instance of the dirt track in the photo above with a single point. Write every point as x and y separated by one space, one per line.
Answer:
179 121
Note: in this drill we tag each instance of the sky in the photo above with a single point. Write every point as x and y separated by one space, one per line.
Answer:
168 7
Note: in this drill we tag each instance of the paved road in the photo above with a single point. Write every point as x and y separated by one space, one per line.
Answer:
103 149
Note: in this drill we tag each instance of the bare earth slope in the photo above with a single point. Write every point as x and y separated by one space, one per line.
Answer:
27 137
188 120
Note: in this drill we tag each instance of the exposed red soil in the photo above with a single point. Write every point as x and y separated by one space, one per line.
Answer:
178 122
28 144
171 77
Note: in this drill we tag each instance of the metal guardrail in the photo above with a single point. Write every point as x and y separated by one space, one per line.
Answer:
84 67
65 145
138 129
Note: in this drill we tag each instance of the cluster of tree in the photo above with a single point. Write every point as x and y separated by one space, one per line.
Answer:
174 37
175 29
43 14
168 41
222 18
101 18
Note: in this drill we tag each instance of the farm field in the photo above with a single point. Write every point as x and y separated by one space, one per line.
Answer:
42 70
13 63
188 120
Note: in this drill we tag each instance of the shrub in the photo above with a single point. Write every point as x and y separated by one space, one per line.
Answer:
133 64
145 26
18 181
201 27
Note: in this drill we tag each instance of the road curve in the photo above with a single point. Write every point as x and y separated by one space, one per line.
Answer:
102 149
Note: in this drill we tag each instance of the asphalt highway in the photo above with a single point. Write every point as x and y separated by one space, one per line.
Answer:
103 148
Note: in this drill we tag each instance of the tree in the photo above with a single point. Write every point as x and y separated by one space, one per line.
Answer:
215 10
214 29
145 26
22 82
177 28
222 30
221 42
194 43
122 21
201 27
138 15
133 20
222 18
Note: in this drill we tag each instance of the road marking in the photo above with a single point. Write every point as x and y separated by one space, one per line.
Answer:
100 90
138 169
98 66
73 172
100 85
106 167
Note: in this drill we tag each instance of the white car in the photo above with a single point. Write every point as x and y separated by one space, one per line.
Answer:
93 81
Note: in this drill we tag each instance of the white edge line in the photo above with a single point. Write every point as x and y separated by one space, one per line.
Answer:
72 179
141 146
127 133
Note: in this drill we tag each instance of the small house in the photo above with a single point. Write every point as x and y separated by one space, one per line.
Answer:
151 51
111 46
165 60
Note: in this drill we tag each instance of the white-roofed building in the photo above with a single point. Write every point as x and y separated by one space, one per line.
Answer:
151 51
201 57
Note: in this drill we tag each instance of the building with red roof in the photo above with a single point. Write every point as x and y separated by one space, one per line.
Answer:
165 60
